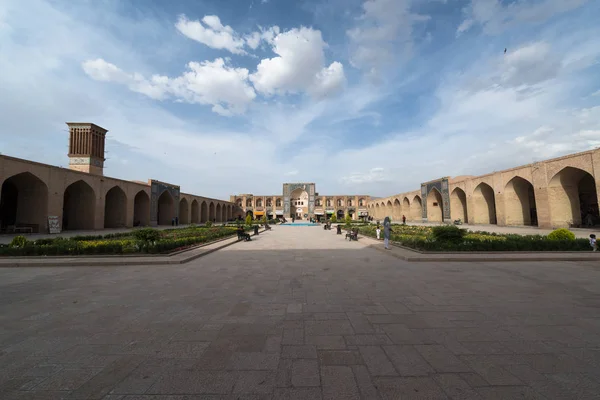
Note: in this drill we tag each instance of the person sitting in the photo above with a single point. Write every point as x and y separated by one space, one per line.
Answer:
242 235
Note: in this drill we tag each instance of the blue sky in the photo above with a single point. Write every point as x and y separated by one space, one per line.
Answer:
359 96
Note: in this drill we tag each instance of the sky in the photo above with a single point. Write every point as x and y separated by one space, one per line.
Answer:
359 96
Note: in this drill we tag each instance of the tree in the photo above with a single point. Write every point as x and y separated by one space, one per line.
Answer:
263 219
248 219
348 219
333 219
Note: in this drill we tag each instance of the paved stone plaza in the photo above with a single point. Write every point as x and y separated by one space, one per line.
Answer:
299 313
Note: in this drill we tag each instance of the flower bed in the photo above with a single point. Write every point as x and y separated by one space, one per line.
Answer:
454 239
145 240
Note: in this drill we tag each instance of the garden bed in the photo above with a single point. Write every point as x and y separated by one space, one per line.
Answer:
137 242
451 239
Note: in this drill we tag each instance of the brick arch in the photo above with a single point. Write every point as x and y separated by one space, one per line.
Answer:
141 209
571 193
484 205
211 212
458 205
583 162
165 208
203 212
79 206
195 212
184 211
115 208
218 213
435 211
24 202
416 209
389 209
519 202
397 210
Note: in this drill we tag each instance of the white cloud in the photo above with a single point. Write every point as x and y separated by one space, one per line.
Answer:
373 175
210 83
211 33
384 33
494 17
531 64
299 66
254 39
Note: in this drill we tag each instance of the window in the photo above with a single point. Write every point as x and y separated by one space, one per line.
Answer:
340 203
349 202
361 202
239 203
249 203
278 203
269 203
328 203
318 202
259 203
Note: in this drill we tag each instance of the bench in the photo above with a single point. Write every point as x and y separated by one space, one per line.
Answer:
19 229
352 235
243 235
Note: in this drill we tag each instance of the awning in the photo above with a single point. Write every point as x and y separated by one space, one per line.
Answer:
319 213
259 213
279 212
329 212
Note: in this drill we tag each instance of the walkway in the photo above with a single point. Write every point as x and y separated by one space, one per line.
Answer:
299 313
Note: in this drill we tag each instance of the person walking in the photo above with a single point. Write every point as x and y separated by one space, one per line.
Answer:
593 242
378 232
387 230
404 220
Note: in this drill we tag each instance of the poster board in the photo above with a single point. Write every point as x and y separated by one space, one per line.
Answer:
53 224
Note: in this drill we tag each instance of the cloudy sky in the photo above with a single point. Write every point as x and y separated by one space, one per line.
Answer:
359 96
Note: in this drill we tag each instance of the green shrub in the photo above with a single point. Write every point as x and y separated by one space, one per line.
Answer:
208 224
561 234
248 219
333 219
449 233
146 235
263 220
18 241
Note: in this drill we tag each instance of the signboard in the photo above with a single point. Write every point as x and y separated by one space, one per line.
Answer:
53 224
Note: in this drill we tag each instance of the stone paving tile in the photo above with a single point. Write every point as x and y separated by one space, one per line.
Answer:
327 342
456 387
376 361
195 382
409 388
305 373
332 327
304 351
408 361
354 323
441 359
340 357
254 382
339 383
254 361
297 394
364 382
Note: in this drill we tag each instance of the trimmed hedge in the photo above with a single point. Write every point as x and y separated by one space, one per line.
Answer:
146 242
446 238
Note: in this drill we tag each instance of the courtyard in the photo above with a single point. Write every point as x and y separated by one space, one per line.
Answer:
300 313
